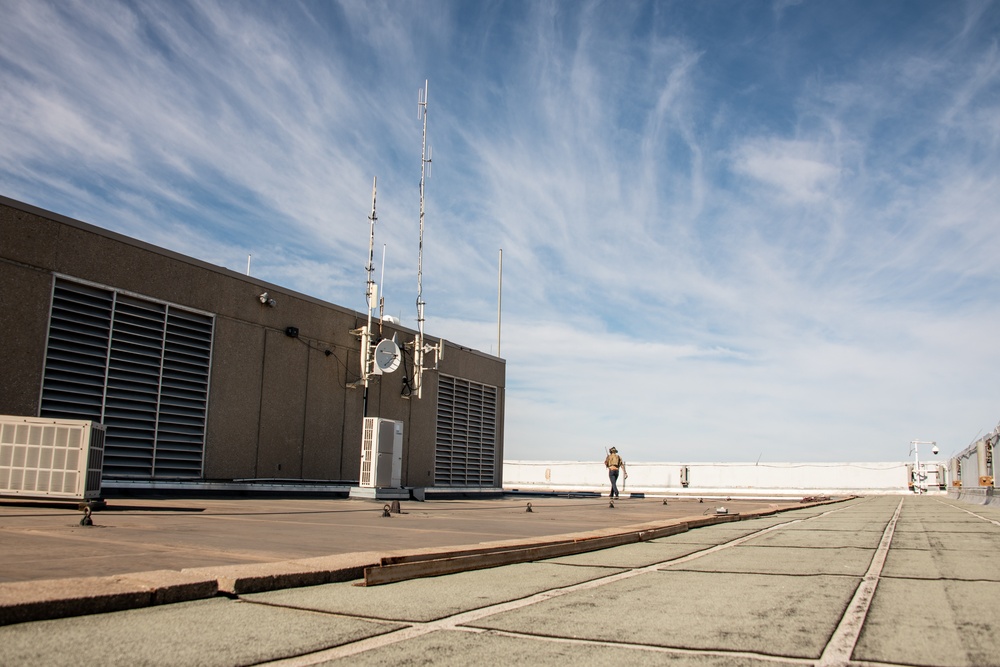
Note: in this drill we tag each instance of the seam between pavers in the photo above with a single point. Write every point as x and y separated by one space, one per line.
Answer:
418 629
839 649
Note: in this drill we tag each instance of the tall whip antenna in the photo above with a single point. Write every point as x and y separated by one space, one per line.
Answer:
371 293
419 347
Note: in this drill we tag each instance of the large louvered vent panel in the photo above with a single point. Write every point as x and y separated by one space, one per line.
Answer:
139 367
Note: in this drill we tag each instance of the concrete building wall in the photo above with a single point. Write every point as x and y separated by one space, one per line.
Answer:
279 407
25 324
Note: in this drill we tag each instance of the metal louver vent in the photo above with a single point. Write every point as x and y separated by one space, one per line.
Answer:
139 367
465 444
76 362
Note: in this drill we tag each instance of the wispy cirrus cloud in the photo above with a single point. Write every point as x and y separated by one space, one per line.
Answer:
796 171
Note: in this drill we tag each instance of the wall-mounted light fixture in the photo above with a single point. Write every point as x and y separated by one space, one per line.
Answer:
266 300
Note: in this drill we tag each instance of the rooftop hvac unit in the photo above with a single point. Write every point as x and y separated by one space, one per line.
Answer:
51 458
382 453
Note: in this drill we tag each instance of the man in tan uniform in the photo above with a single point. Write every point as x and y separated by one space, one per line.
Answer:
614 463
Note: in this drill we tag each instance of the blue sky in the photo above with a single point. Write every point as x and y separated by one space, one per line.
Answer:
731 231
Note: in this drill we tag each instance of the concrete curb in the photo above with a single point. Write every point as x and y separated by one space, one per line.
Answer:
57 598
261 577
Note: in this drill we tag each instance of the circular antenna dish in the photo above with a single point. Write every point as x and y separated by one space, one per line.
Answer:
387 356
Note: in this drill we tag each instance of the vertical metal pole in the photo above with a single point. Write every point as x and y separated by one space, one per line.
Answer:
499 298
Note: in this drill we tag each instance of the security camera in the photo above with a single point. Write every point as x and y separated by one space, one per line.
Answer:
266 300
935 450
263 298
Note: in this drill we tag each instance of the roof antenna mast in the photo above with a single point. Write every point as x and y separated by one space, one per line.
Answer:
419 346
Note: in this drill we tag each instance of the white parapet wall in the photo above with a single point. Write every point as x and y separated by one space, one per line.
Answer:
775 479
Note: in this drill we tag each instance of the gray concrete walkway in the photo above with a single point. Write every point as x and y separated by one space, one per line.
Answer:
896 580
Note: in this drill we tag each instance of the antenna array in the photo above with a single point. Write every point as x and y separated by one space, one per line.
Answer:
420 348
371 290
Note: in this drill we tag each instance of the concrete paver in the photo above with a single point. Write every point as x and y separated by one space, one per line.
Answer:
460 648
948 624
765 614
849 583
970 565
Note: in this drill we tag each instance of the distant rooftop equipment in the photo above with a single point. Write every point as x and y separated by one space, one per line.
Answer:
51 458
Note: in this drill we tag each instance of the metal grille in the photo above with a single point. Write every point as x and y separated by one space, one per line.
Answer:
137 366
465 444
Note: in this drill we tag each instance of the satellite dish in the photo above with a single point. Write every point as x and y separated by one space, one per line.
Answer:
387 357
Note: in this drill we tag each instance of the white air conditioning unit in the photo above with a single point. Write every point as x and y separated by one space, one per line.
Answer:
51 458
382 453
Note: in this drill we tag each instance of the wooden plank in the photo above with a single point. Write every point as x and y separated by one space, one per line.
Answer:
429 565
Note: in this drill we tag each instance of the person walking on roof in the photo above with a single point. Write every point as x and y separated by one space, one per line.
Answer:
613 463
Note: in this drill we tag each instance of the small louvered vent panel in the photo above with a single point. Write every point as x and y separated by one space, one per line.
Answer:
180 433
77 359
465 444
133 387
139 367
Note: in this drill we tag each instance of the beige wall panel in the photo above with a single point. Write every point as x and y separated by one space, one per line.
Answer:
282 410
324 423
25 300
419 464
234 400
472 365
350 455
